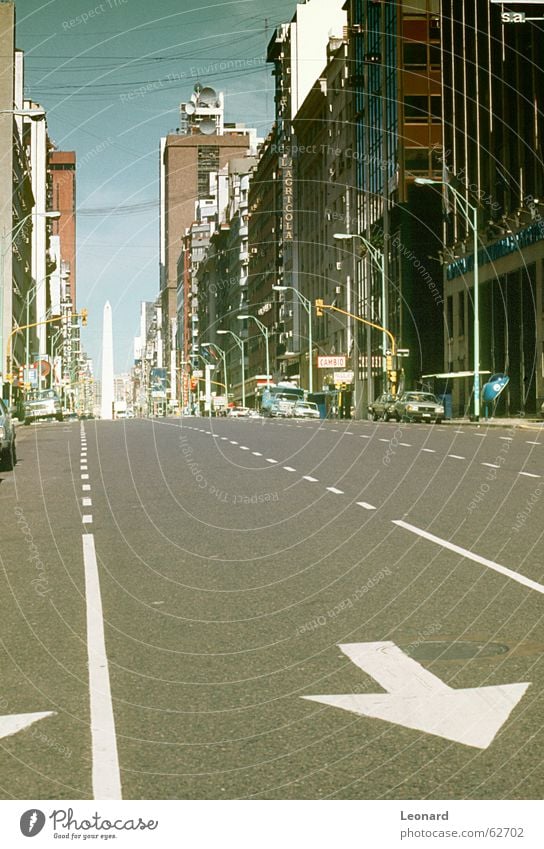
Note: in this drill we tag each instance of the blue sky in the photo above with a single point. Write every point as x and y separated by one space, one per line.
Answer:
111 75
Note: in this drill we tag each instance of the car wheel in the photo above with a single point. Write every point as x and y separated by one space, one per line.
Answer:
27 422
375 417
439 421
59 418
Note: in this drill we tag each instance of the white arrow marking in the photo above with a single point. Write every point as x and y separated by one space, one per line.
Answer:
12 723
417 699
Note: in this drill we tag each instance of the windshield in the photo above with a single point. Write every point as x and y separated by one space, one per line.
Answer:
44 395
420 396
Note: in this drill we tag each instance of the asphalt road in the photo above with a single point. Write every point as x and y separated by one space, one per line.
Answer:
233 558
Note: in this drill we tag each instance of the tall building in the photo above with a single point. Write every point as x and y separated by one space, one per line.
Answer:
203 144
16 203
62 175
494 126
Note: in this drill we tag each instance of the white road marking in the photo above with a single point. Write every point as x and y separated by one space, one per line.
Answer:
464 552
310 478
86 502
84 477
269 460
232 442
456 457
480 434
348 433
289 469
364 436
257 453
215 435
381 439
429 450
507 438
84 468
529 475
336 491
14 722
225 438
458 431
244 448
87 519
491 465
366 505
86 487
417 699
105 761
530 442
406 444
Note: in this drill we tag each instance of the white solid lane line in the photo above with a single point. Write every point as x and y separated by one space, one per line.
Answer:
464 552
105 760
366 505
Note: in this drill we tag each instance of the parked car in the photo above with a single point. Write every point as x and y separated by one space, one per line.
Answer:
238 413
306 410
8 451
416 407
42 405
378 408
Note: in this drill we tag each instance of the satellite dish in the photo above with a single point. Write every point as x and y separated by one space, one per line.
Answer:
208 96
189 108
207 127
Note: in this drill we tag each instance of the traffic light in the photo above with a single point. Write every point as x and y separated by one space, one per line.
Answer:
319 306
389 362
84 317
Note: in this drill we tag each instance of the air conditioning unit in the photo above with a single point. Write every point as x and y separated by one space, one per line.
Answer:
338 290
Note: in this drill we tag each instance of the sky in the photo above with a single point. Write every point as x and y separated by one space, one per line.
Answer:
111 75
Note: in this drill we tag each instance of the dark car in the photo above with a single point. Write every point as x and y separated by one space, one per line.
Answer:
8 453
379 407
416 407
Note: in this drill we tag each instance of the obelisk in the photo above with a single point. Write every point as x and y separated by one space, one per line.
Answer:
107 364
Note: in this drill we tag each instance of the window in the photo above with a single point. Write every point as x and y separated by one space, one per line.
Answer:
415 55
416 159
461 314
434 56
416 108
436 108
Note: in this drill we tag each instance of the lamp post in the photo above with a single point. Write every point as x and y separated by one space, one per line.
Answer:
264 331
307 304
470 214
223 356
240 342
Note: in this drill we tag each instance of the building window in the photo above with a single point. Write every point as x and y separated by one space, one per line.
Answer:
434 56
416 108
461 314
436 108
415 55
416 159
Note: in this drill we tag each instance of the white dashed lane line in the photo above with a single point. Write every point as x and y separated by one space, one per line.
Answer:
270 460
335 490
530 442
491 465
529 475
289 469
86 487
87 519
456 457
86 502
257 453
429 450
365 505
310 478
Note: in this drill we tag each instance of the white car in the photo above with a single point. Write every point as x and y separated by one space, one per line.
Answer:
306 410
238 413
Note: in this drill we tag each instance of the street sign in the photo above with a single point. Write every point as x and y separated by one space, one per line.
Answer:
331 362
343 377
197 372
417 699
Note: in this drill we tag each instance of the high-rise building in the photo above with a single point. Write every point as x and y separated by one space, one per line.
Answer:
493 131
62 177
202 145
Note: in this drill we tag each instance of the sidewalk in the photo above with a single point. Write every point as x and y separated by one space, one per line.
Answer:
526 424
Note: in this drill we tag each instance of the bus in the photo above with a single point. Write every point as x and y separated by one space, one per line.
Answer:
280 399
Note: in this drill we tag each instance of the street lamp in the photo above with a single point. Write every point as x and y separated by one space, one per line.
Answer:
240 342
264 331
307 304
34 114
224 359
470 214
